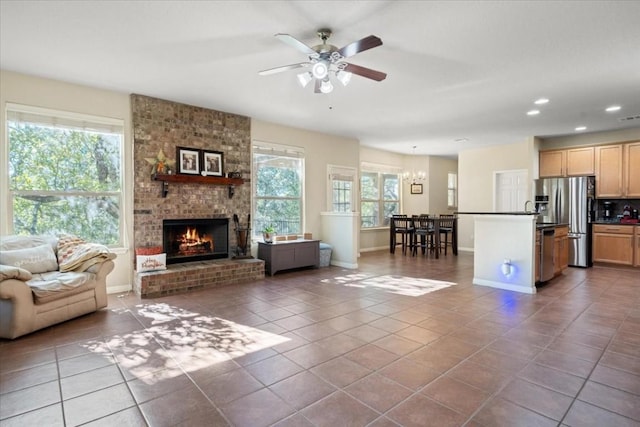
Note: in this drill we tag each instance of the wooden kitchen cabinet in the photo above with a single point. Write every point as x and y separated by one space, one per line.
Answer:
561 249
581 161
618 171
569 162
631 158
552 163
609 171
637 246
538 255
613 243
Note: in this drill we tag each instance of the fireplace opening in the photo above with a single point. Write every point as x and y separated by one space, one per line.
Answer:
187 240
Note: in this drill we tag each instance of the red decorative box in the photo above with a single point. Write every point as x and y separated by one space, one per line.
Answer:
629 221
149 250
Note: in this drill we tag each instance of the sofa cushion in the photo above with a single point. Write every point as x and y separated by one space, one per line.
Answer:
10 272
53 285
10 243
37 259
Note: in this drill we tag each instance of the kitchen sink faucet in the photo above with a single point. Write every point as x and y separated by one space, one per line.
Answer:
525 205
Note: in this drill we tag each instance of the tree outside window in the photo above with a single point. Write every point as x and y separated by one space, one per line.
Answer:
278 190
380 198
65 175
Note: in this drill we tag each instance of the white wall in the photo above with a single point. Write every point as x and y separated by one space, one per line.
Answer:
439 169
27 90
475 180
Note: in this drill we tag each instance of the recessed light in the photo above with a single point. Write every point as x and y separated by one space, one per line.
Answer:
533 112
461 140
541 101
580 128
613 108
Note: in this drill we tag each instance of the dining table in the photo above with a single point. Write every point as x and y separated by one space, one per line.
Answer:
436 222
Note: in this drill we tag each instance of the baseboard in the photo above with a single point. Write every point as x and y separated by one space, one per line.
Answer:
344 264
378 248
119 289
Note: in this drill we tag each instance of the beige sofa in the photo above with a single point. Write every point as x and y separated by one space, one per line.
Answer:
45 280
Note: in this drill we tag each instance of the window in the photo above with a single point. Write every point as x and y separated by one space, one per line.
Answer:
379 197
65 174
277 188
452 190
341 192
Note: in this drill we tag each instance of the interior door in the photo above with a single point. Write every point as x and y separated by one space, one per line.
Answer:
511 190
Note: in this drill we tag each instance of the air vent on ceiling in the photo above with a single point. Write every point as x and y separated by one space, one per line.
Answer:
626 119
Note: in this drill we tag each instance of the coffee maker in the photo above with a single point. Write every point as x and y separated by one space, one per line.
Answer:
607 210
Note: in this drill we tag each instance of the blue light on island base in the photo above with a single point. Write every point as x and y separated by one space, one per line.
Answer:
507 268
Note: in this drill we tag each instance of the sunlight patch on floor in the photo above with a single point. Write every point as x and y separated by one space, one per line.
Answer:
348 278
404 285
180 339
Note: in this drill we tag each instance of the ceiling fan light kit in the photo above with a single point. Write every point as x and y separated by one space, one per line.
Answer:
327 60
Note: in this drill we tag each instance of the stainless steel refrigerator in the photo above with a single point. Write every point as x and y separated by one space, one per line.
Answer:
569 201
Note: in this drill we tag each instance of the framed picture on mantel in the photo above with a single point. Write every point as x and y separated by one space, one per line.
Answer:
212 163
188 161
416 188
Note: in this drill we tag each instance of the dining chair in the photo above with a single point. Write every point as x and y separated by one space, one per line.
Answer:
446 230
423 230
393 238
401 225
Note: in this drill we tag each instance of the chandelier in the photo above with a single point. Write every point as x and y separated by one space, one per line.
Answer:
414 176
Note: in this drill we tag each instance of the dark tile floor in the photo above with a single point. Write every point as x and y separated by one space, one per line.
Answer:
401 341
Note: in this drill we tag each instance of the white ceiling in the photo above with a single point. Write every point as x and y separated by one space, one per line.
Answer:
455 69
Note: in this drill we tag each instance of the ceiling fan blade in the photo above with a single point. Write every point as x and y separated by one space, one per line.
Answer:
317 86
366 72
283 68
360 46
292 41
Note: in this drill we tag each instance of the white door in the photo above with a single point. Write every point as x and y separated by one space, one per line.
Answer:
511 190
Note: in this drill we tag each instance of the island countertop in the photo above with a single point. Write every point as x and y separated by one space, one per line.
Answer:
497 213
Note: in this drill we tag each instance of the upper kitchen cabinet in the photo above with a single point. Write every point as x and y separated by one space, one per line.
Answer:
631 157
617 171
569 162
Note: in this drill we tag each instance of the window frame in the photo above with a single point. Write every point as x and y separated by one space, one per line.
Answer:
345 196
69 121
286 151
380 171
452 189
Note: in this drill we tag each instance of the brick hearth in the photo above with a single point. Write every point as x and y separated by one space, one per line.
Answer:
188 276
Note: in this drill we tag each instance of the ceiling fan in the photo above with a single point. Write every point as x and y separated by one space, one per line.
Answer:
326 59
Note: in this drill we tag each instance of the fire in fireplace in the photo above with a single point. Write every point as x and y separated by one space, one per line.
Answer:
187 240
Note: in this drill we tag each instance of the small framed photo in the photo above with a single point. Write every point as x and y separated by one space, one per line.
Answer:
212 163
188 161
416 188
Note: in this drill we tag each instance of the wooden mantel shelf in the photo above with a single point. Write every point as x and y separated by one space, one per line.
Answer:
197 179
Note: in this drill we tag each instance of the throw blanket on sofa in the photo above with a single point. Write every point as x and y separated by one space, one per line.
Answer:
75 254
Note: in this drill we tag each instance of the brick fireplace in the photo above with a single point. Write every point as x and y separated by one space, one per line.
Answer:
163 126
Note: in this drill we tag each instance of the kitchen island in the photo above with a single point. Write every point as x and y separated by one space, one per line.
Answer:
505 250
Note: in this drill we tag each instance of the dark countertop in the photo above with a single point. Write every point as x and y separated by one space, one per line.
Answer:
497 213
616 222
540 225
